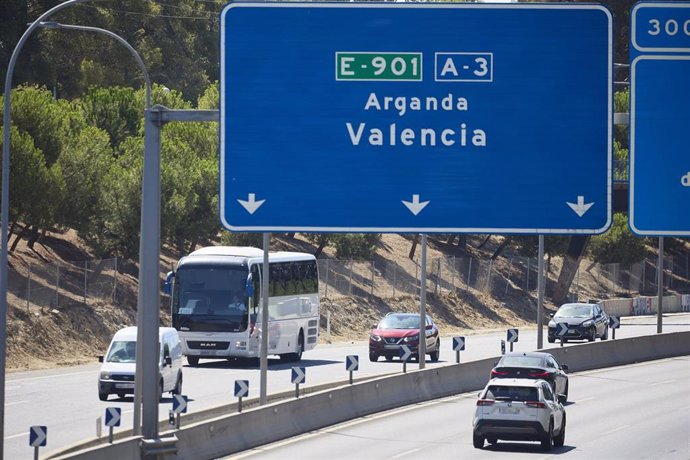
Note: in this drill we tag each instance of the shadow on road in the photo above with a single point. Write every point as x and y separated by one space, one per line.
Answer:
253 363
527 448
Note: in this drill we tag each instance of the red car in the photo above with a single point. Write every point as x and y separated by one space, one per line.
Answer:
396 329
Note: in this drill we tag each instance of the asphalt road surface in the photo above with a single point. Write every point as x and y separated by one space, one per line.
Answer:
66 399
640 411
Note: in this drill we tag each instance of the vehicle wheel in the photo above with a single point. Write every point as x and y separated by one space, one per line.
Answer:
606 334
178 385
559 440
435 354
492 441
160 390
477 441
551 339
103 396
592 334
373 357
297 356
547 440
121 395
193 360
389 358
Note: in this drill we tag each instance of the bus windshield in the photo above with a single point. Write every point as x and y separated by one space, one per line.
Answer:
210 298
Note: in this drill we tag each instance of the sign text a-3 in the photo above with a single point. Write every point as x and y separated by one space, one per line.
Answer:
378 66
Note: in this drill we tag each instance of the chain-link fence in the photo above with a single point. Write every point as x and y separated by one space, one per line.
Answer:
59 285
498 277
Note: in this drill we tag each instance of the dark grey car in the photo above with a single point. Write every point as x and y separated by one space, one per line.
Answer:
585 321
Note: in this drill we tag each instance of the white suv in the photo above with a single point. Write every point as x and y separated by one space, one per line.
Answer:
519 410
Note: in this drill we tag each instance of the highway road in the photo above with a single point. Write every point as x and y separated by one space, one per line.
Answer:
640 411
65 399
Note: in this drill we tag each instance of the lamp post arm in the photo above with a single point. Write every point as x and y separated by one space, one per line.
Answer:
126 45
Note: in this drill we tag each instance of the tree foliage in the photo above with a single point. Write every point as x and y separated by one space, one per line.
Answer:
618 244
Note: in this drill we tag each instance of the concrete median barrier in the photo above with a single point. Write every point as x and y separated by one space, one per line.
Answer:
228 434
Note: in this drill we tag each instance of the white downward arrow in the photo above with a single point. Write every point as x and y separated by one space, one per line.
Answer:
416 207
581 207
251 205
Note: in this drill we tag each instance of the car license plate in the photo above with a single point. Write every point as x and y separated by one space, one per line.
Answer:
508 410
124 385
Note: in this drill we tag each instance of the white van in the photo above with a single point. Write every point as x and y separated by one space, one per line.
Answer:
119 363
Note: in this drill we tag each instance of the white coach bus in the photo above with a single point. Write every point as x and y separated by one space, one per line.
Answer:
216 305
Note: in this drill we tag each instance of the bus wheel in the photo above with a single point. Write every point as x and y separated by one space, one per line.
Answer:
193 360
297 356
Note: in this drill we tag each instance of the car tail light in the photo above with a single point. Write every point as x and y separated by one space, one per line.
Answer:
536 404
485 402
539 374
495 373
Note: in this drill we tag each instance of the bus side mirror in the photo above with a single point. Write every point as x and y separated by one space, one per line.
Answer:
250 286
167 287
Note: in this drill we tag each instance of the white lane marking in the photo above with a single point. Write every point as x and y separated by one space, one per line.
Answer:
28 379
17 435
662 383
583 400
127 411
622 427
15 402
402 454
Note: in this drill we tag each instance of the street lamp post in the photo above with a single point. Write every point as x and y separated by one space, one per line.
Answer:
147 337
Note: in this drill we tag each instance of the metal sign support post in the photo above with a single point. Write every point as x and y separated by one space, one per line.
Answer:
239 404
660 287
457 357
263 360
540 297
149 258
350 377
422 308
36 453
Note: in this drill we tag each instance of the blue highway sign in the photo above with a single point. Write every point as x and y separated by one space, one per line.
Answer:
298 375
113 416
659 119
241 388
614 322
458 343
179 404
38 436
416 117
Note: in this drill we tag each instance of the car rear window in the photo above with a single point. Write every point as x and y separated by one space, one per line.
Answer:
523 361
512 393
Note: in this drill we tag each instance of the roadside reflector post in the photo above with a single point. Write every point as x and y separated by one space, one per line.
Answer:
512 337
241 390
298 376
458 346
38 437
405 353
179 407
351 364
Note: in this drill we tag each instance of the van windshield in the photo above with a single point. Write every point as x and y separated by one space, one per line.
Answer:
122 352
